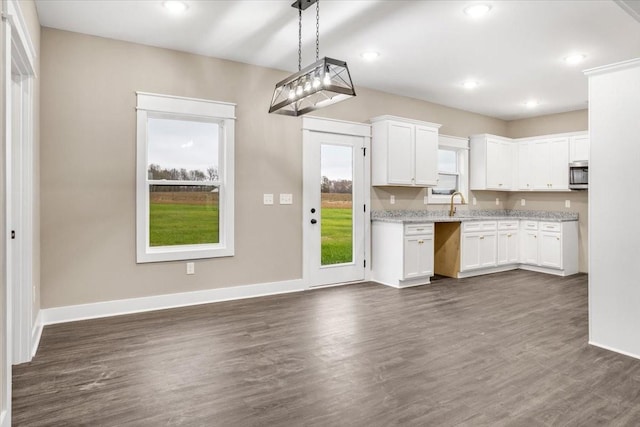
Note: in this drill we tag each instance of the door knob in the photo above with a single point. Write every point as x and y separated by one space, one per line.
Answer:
313 221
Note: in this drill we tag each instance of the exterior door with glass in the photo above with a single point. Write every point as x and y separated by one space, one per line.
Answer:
334 209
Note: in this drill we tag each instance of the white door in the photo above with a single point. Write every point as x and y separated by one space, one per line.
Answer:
401 153
488 250
426 161
418 256
550 249
470 257
334 208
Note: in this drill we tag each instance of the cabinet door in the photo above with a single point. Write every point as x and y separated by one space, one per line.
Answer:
551 249
529 247
540 167
579 148
470 251
559 161
495 166
513 247
524 167
426 155
400 153
488 250
418 256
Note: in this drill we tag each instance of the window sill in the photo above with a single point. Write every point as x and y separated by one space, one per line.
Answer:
184 253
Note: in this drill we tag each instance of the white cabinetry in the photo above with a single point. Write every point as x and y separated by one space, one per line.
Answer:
579 148
550 246
402 254
478 245
544 165
404 152
508 242
491 162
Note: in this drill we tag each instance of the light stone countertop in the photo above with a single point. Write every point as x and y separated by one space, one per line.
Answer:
412 217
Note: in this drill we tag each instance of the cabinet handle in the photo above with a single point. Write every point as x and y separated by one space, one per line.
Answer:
481 237
419 229
535 237
557 238
508 235
420 242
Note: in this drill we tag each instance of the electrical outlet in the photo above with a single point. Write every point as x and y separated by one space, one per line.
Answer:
426 200
267 199
286 199
392 199
191 268
497 201
523 202
567 203
474 201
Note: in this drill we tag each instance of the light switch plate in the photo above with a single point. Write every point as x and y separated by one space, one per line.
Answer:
497 201
567 203
392 199
286 199
426 200
523 202
191 268
267 199
474 201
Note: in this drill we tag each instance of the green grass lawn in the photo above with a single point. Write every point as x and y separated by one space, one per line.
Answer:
336 236
183 224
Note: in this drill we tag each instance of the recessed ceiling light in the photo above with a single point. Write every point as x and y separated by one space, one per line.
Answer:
370 55
470 84
175 6
575 58
532 103
477 10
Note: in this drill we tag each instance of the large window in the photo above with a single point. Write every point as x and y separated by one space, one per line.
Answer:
184 178
453 165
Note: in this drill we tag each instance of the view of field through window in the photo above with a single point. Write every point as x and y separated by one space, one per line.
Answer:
336 219
179 153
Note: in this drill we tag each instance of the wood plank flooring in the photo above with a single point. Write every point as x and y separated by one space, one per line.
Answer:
508 349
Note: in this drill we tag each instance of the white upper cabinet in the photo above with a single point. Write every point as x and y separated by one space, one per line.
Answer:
404 152
525 174
579 148
548 165
491 162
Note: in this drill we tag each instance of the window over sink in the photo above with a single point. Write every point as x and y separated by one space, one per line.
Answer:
453 170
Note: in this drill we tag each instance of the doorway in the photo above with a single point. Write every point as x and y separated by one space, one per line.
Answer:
335 199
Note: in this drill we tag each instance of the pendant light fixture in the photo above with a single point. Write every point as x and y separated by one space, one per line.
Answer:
322 83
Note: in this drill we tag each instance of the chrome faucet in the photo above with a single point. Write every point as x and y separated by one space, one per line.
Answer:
452 210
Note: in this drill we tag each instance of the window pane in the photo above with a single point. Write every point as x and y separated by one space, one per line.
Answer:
182 150
447 161
183 215
336 215
447 184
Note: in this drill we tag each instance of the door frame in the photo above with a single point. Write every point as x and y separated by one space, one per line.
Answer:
340 127
18 57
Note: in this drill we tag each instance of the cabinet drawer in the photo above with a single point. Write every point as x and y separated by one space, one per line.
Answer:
413 229
507 225
479 226
550 226
530 225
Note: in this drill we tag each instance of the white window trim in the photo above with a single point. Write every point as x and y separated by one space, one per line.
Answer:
149 104
461 145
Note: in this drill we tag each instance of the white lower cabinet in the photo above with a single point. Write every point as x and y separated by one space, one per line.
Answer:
418 256
508 242
402 255
478 245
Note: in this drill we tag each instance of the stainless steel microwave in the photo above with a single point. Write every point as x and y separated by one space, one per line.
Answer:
579 175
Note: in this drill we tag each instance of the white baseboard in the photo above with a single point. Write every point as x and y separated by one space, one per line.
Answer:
4 419
489 270
36 334
606 347
406 283
74 313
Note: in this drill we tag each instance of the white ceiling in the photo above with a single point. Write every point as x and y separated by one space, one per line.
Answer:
427 48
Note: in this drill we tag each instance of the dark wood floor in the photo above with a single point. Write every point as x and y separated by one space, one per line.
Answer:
504 349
